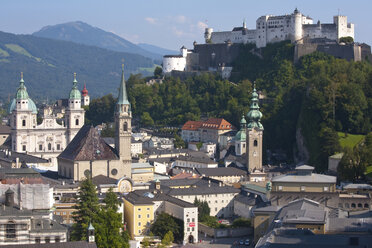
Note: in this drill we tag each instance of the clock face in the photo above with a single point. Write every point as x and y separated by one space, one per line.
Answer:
125 186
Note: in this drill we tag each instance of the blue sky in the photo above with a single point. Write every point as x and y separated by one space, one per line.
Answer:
172 23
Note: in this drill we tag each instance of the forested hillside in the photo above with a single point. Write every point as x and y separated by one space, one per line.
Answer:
305 105
48 66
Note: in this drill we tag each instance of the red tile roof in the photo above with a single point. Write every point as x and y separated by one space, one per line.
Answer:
212 123
192 125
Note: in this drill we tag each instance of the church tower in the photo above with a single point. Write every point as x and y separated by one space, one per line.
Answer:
123 126
254 134
74 113
240 138
23 114
85 100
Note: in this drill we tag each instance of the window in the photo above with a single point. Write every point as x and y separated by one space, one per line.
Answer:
215 209
11 230
24 148
139 223
40 147
139 209
255 143
193 229
303 188
57 239
114 172
23 123
148 215
148 209
193 219
139 216
325 189
47 240
77 122
37 240
49 146
86 173
188 219
280 188
58 147
188 229
125 126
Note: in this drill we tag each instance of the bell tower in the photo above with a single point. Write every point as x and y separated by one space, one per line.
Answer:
123 128
74 113
254 134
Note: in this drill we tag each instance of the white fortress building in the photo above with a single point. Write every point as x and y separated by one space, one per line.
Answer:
49 138
294 27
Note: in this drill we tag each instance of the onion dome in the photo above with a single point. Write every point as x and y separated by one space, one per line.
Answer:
254 115
84 92
75 93
241 134
22 95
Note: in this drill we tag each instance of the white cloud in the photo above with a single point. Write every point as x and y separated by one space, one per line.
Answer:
202 25
180 19
151 20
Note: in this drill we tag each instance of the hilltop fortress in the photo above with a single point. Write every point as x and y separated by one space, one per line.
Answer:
222 48
294 27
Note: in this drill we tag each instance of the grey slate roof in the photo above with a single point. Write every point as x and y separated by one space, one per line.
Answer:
196 159
358 186
101 179
23 157
221 171
312 178
88 145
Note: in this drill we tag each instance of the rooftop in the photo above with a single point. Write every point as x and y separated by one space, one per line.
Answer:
221 171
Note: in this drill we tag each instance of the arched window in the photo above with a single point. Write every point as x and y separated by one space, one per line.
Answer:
255 143
40 147
49 146
366 205
10 230
360 205
353 205
347 205
23 123
77 122
125 127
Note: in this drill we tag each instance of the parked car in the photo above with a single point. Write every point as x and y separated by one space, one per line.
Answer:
247 242
241 242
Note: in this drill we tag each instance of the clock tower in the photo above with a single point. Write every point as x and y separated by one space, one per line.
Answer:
123 128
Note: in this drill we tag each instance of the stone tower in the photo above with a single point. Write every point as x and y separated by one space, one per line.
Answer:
74 113
240 138
254 135
23 114
123 126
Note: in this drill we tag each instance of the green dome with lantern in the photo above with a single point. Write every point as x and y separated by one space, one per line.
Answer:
22 95
254 115
75 93
241 134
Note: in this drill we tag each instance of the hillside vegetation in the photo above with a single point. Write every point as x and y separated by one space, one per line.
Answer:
306 103
48 66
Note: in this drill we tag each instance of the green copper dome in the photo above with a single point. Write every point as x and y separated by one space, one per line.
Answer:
254 115
75 93
241 134
22 95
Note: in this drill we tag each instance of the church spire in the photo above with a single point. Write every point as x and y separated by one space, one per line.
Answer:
123 98
254 115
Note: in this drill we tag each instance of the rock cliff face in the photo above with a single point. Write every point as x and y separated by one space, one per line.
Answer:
301 153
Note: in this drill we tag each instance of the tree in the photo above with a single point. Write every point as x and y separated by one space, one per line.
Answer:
146 120
203 209
168 238
352 166
166 223
101 110
347 39
158 72
87 210
179 142
109 224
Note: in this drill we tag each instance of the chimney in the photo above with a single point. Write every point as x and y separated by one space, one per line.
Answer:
209 183
220 184
17 162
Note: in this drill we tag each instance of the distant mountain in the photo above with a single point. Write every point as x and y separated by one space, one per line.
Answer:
156 49
86 34
48 66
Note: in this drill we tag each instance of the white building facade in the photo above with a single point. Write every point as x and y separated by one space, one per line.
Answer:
50 138
294 27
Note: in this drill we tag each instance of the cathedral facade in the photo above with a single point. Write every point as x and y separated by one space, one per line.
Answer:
49 138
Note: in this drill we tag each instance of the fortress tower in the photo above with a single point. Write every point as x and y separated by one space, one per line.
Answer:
254 135
85 100
240 138
123 132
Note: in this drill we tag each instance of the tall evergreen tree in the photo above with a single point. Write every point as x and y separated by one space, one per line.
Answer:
87 209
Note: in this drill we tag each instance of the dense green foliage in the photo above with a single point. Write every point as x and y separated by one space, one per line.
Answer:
241 222
166 223
105 219
203 209
355 160
48 66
